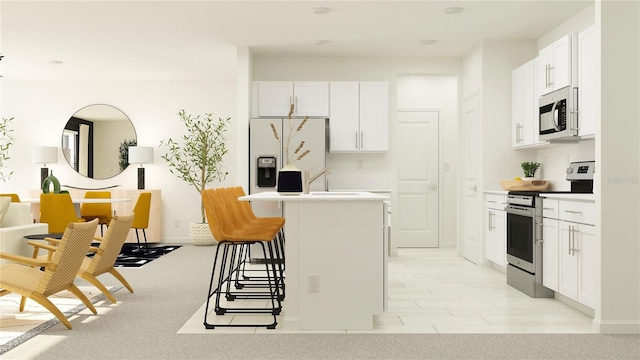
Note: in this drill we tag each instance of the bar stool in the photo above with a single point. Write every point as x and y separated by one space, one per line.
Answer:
231 236
242 211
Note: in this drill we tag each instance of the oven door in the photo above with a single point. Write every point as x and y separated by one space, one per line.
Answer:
521 237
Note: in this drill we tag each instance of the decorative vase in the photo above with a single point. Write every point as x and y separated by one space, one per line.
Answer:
201 234
289 180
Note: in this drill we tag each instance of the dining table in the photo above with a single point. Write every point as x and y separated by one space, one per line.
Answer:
35 204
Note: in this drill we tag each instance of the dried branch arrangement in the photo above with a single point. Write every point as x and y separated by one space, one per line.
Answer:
299 152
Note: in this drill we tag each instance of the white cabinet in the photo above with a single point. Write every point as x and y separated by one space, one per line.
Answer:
496 229
524 106
570 259
578 263
359 116
311 98
588 64
555 65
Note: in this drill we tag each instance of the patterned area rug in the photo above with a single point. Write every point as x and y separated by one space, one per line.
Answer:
132 256
17 327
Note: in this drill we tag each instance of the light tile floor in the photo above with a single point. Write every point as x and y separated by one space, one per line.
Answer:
435 291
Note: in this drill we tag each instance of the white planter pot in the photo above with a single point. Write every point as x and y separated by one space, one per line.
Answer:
201 234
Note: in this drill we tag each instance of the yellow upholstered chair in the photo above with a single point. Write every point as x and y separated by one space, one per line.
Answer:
106 254
59 269
141 218
58 211
14 197
102 211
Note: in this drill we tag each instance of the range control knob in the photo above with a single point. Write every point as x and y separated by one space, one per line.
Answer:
569 170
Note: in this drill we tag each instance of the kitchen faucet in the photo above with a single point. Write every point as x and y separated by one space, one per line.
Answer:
307 180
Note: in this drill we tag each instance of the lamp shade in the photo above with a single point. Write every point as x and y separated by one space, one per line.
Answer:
44 155
140 154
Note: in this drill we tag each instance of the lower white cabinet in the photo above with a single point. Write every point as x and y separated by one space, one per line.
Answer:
570 250
550 255
496 229
579 263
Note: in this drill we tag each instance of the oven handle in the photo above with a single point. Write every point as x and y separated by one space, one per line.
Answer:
520 211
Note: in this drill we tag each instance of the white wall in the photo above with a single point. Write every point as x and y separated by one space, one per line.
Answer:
379 170
41 109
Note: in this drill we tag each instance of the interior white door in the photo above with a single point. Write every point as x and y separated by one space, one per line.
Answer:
471 203
417 200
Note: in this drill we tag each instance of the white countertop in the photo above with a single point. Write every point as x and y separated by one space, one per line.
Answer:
497 192
572 196
316 196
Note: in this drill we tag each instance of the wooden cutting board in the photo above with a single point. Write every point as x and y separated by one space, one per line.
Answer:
524 185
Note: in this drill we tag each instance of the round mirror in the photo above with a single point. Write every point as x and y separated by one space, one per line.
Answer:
96 141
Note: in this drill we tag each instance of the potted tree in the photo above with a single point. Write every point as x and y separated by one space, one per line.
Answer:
198 160
6 140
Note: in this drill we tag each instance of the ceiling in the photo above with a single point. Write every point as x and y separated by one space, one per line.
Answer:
198 39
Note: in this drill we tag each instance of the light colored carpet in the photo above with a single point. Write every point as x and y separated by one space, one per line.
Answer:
18 326
168 291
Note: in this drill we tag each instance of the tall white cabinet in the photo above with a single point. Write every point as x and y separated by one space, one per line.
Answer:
359 116
588 65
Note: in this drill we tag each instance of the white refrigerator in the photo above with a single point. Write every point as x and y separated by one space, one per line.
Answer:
267 155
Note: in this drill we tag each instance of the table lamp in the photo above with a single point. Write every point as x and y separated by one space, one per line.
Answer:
140 155
44 155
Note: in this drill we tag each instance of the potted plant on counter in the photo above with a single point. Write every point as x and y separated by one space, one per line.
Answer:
530 169
198 160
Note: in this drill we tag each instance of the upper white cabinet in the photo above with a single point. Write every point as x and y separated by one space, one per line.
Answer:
588 64
524 105
555 65
309 97
359 116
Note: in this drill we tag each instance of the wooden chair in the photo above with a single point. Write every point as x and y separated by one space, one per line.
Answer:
141 218
101 211
59 269
106 255
58 211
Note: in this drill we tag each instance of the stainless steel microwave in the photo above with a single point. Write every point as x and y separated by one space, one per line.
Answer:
558 115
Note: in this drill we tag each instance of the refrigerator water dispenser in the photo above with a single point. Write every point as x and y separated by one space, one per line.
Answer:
266 171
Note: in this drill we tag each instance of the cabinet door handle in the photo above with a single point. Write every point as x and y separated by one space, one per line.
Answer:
295 99
361 139
491 201
357 144
575 232
573 212
570 232
544 208
489 218
546 75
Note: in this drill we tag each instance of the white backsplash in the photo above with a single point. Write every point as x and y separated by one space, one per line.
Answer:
555 160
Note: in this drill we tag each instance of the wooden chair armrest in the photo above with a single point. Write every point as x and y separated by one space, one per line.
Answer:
52 240
95 249
42 245
24 259
98 238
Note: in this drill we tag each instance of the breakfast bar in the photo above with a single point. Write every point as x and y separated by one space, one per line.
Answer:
335 259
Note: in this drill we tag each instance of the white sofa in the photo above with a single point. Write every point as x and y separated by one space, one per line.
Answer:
17 223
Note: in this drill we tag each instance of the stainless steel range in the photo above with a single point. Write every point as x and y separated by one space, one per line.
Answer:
524 231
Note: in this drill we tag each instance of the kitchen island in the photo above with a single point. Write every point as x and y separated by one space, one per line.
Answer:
335 261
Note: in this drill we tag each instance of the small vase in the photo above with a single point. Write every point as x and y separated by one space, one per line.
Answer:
289 180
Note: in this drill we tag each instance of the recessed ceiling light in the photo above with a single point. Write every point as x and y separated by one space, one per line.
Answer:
321 10
428 42
321 42
453 10
55 62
